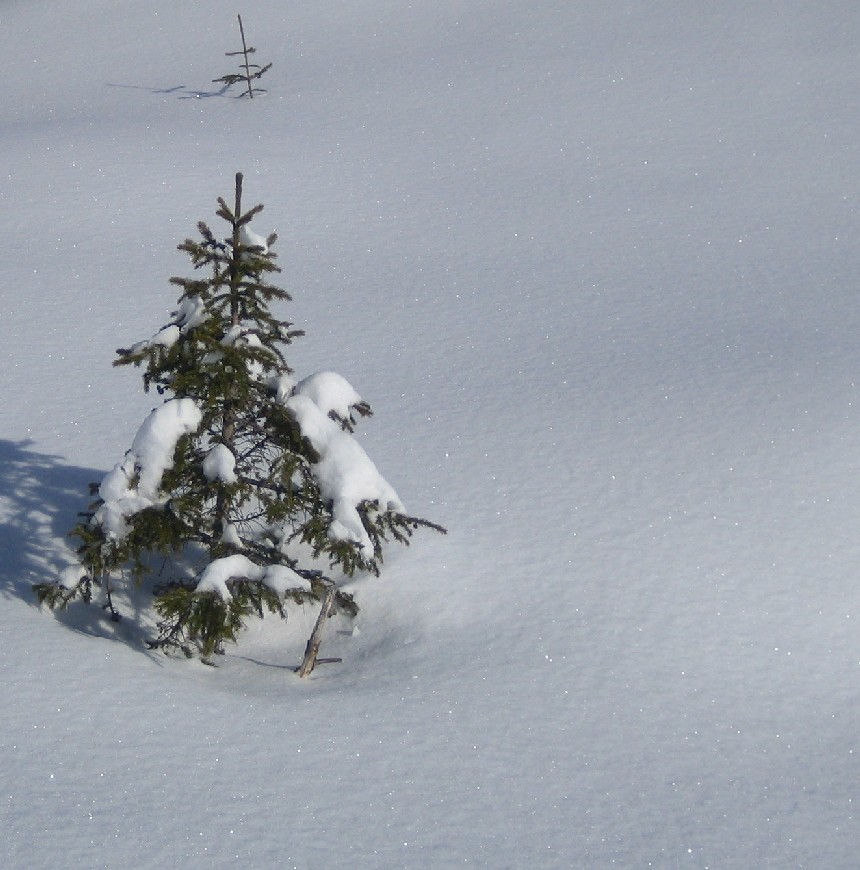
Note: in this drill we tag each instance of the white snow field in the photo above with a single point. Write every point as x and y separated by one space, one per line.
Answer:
595 265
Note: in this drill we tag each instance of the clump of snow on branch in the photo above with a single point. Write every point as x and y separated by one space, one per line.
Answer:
330 392
134 484
190 314
72 575
282 386
231 536
249 239
220 464
279 578
346 475
238 336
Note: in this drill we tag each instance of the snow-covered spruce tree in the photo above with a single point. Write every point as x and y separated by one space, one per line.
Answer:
244 487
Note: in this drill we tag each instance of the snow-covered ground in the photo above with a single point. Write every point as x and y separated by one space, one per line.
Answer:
595 266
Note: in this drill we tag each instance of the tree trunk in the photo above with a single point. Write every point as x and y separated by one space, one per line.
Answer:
314 641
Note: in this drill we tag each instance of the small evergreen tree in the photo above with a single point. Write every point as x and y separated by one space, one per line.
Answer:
246 485
250 71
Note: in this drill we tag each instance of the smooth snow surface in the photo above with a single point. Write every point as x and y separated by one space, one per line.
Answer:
595 265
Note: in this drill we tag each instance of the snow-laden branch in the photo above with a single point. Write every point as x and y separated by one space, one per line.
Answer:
279 578
346 475
134 484
189 315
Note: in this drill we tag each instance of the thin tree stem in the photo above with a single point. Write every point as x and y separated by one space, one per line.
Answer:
247 66
235 274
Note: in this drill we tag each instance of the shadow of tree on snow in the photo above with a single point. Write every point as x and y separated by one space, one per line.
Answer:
182 92
40 499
